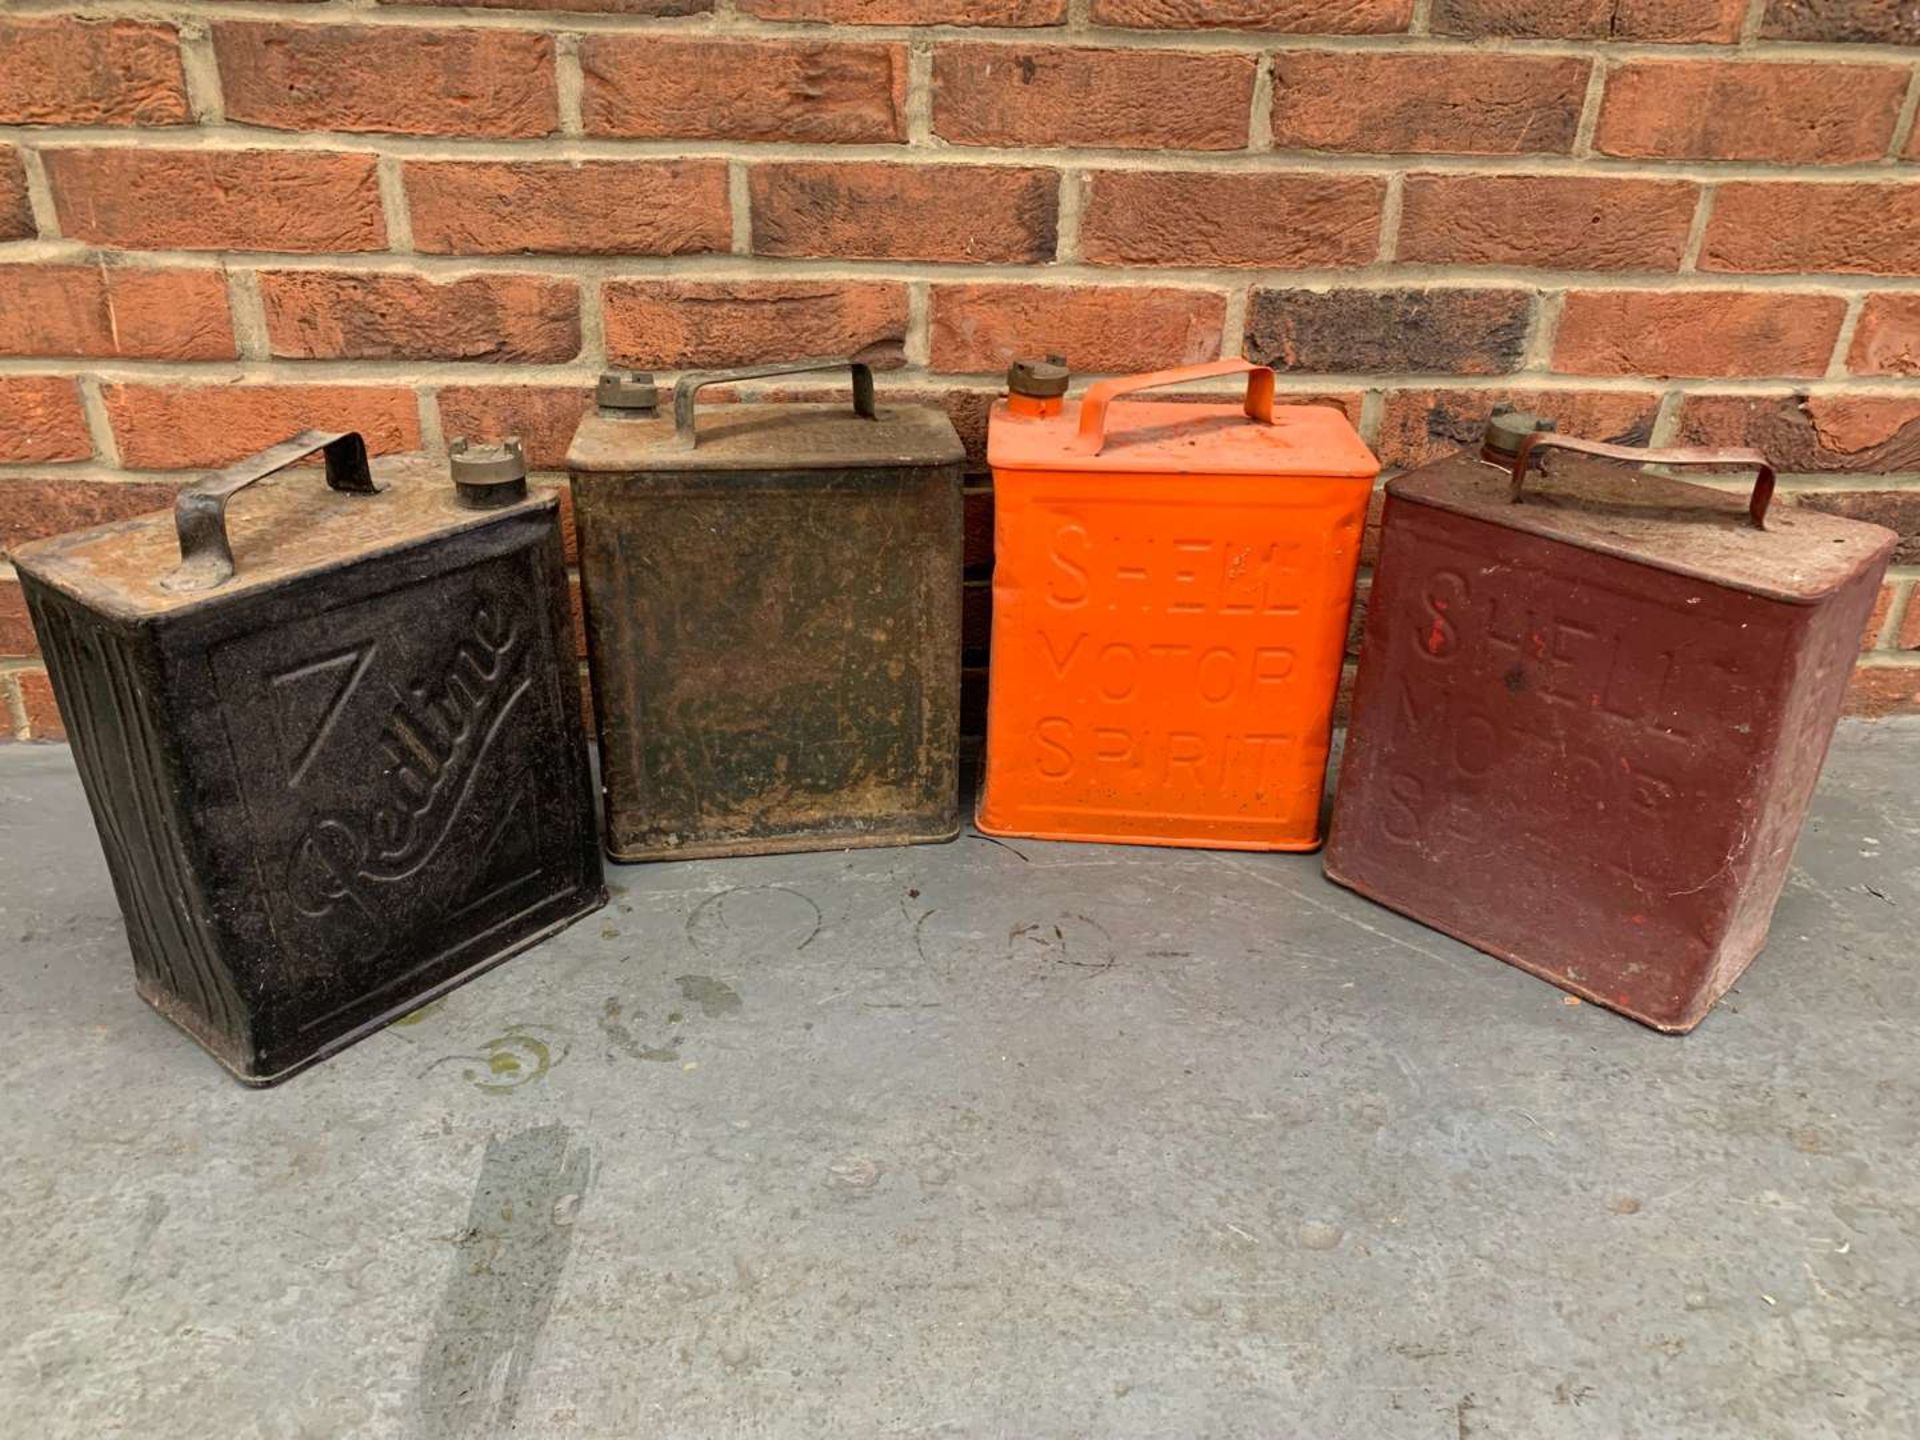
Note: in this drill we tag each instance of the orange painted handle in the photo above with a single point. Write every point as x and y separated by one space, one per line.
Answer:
1093 407
1757 502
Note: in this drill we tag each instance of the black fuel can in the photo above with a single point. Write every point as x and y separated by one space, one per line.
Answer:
331 737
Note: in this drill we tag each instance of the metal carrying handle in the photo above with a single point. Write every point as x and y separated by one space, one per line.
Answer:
684 436
1757 502
200 510
1093 405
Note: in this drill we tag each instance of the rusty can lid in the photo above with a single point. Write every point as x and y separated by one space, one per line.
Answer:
1508 428
626 392
488 475
1038 379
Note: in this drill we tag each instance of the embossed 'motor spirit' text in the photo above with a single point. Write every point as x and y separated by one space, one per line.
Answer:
433 741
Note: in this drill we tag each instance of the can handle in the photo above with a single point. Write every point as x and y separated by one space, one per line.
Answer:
1682 455
1093 405
684 436
200 510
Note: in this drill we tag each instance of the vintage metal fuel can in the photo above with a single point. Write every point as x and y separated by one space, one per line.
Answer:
773 618
330 731
1171 590
1591 708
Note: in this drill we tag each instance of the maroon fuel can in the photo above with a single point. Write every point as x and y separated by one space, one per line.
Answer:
1591 708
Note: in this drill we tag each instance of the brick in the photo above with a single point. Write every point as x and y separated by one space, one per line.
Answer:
1037 95
661 88
1445 102
16 628
1783 228
558 207
1275 221
1865 22
1813 434
1011 14
102 310
330 315
1561 222
16 210
293 200
36 698
874 210
1112 329
68 71
1462 332
675 324
40 419
181 427
1886 341
1744 110
403 81
1696 332
1909 635
32 508
1882 607
1653 21
645 9
1422 425
1878 690
1300 17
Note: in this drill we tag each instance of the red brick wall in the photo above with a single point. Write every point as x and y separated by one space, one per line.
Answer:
1669 220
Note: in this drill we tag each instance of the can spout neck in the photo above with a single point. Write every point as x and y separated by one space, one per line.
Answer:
1037 389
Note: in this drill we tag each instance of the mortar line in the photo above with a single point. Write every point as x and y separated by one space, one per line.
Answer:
230 137
569 82
1903 126
1750 24
593 323
1666 419
200 70
919 337
433 436
1373 414
1074 190
919 101
93 406
248 308
1889 637
739 207
16 702
1697 230
46 217
1260 112
393 205
1233 322
408 373
1843 342
1391 205
724 23
1590 109
1374 275
1537 354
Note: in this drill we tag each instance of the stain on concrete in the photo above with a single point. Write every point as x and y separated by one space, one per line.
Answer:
152 1214
613 1023
506 1268
1072 940
765 918
715 998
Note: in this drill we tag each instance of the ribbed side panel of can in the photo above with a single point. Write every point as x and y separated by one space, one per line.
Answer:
108 685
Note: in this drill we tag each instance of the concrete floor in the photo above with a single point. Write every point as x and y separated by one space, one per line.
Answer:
970 1140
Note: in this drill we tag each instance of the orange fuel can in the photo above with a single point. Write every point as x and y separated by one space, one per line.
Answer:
1171 590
